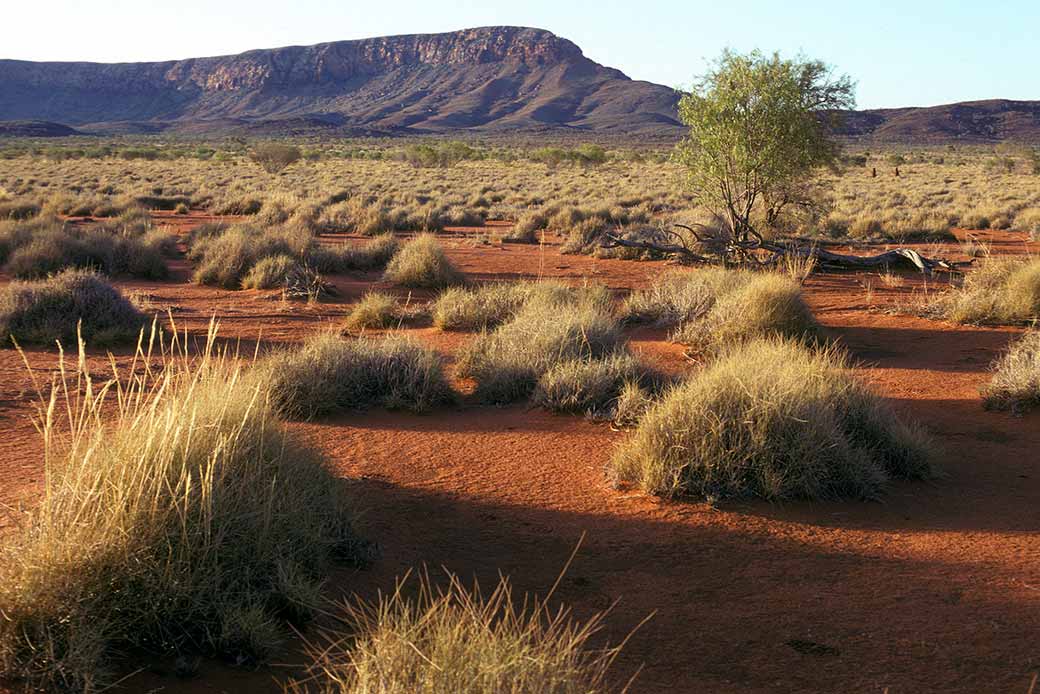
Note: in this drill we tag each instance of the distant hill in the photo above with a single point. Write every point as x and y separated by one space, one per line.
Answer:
995 120
35 128
493 79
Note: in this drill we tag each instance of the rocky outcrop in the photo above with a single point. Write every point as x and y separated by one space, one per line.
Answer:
490 78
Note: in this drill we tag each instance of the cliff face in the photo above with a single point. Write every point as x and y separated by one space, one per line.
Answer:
492 77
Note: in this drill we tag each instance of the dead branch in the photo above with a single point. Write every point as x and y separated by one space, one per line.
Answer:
744 252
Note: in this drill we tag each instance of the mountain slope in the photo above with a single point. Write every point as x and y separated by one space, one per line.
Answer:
491 78
971 121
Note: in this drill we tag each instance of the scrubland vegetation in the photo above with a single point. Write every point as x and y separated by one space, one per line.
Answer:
457 640
1000 290
69 305
771 419
186 520
328 374
1016 380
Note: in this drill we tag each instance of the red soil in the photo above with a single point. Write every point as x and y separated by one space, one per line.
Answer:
937 588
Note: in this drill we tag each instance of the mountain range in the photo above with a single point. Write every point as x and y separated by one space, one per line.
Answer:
488 80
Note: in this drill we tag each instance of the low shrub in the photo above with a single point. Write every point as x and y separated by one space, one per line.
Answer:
681 296
767 305
1016 379
375 311
775 420
36 249
548 330
421 263
375 254
273 157
328 374
225 258
179 517
271 272
999 290
51 309
593 386
457 640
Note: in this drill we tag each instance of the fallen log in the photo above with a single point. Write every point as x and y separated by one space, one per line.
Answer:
734 253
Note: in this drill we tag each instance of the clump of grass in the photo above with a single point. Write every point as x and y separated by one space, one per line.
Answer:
375 311
458 640
55 308
775 420
1000 290
593 386
1016 378
681 296
179 517
490 305
44 246
376 254
527 227
329 374
224 257
271 272
768 304
546 331
421 263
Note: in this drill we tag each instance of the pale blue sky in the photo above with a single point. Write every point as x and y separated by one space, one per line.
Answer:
902 53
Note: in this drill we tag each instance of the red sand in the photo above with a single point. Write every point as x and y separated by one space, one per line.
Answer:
937 588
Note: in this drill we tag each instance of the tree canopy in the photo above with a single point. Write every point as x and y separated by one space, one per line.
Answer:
759 128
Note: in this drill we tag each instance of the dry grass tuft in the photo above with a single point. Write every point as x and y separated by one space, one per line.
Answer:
551 328
458 640
775 420
1000 290
767 305
328 374
1016 378
421 263
54 309
184 520
375 311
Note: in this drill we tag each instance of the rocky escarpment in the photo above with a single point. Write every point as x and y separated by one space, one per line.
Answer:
488 78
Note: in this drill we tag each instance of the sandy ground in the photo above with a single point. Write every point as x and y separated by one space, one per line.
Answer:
937 588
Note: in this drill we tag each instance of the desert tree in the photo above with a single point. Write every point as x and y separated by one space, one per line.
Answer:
760 127
273 157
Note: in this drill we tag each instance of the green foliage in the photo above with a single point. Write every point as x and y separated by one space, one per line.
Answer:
759 129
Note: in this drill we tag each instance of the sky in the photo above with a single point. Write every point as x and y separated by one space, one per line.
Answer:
900 53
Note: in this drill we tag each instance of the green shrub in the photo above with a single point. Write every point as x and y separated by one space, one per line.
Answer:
179 517
774 420
375 311
1016 379
51 309
273 157
421 263
329 374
